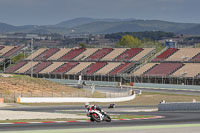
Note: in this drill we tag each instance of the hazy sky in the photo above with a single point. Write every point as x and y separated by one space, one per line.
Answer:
40 12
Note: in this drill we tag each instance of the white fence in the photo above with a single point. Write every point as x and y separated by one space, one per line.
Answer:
72 99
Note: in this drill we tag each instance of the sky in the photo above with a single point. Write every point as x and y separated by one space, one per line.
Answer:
46 12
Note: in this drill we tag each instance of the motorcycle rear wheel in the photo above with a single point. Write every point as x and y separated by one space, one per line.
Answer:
95 117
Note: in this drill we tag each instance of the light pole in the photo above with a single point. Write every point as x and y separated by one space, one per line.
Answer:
32 57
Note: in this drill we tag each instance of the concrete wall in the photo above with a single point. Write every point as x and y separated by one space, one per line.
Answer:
71 99
167 86
178 106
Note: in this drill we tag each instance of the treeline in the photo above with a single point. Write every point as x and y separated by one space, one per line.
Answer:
152 35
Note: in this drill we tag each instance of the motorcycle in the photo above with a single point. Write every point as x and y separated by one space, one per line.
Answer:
98 116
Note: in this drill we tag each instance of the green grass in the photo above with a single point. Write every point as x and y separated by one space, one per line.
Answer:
17 76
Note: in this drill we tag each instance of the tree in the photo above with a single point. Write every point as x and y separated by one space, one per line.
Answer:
83 45
128 41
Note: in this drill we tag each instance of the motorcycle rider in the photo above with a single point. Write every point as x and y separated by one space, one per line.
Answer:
92 107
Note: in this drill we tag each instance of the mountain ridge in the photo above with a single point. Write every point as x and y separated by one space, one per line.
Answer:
104 26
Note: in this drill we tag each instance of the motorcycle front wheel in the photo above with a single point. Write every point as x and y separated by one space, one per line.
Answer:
107 118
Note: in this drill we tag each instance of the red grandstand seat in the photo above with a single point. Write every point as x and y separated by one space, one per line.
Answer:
120 68
196 58
100 54
72 54
165 54
15 67
1 47
128 54
93 68
13 51
39 67
65 68
163 69
46 54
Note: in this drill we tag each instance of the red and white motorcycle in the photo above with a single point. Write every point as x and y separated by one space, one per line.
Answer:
96 115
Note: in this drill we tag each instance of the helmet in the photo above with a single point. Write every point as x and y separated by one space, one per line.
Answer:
87 105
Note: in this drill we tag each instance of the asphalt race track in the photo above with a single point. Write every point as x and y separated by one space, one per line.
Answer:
171 118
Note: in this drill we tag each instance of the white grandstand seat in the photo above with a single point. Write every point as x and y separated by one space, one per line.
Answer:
113 54
26 67
79 67
188 70
52 67
59 54
36 53
143 69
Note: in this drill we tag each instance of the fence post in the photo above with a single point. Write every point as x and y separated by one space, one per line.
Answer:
14 97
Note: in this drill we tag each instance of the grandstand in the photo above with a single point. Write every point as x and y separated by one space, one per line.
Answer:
171 60
25 67
100 53
36 54
86 53
58 54
72 54
165 54
7 53
120 69
46 54
163 69
188 70
143 69
77 69
51 68
92 68
15 67
174 65
108 68
65 67
113 54
128 54
196 58
76 61
183 54
112 63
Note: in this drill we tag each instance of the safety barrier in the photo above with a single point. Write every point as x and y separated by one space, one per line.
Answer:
167 86
179 106
71 99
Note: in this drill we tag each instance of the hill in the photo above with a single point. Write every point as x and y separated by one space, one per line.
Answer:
4 28
192 31
132 26
104 26
84 20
